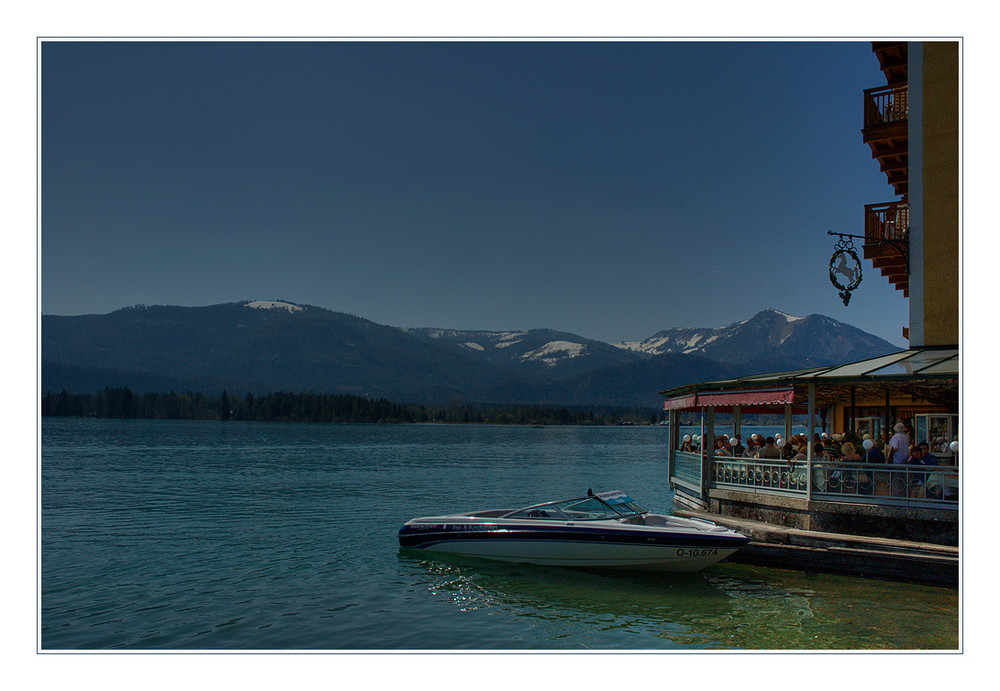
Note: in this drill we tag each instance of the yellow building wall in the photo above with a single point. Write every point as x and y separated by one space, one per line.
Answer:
940 193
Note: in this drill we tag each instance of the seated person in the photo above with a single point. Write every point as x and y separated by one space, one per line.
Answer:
849 454
738 448
916 458
769 450
830 449
787 451
928 457
687 446
873 454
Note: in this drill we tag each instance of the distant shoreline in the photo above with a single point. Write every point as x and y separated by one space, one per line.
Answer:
123 403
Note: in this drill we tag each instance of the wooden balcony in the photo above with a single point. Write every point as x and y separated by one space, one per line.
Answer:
886 119
886 244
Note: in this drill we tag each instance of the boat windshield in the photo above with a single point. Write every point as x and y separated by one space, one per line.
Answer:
608 505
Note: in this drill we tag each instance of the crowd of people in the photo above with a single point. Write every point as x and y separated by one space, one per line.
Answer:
898 449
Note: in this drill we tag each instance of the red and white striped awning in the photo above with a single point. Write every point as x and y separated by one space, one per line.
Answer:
730 398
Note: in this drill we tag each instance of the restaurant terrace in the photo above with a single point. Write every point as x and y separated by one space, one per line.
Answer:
917 387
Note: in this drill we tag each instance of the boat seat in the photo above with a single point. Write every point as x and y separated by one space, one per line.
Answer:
653 520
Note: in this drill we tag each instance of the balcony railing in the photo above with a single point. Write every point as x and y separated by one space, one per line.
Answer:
870 483
885 105
886 222
758 474
687 468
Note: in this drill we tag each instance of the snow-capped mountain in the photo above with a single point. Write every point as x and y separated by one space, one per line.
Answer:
769 336
259 346
552 354
264 346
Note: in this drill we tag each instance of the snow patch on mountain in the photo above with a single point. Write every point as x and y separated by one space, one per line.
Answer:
696 343
273 305
474 346
706 341
788 317
554 351
510 338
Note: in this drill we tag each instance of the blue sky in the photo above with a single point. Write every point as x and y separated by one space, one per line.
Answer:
606 188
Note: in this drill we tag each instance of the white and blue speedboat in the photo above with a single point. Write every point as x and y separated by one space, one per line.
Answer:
598 530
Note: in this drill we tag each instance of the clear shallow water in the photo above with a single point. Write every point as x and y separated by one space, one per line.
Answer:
205 535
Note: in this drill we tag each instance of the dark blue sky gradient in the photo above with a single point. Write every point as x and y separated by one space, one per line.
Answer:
610 189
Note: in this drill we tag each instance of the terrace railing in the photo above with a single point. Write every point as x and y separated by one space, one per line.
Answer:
760 474
687 469
885 105
889 221
886 483
872 483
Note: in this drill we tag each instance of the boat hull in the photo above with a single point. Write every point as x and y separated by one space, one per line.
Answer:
575 546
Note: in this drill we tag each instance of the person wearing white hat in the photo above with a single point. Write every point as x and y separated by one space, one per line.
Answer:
687 446
873 454
899 446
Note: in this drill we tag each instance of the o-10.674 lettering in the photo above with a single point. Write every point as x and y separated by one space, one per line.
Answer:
696 552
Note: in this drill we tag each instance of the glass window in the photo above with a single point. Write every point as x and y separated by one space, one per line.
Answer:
915 363
631 508
939 434
920 428
868 425
865 366
583 509
948 366
937 430
538 512
588 509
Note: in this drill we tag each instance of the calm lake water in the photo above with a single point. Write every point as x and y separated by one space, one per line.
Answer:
188 535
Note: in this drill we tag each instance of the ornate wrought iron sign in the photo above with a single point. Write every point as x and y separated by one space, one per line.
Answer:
844 264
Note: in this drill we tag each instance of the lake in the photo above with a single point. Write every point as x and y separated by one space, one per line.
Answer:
192 535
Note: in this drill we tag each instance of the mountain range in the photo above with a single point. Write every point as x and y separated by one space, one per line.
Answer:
262 346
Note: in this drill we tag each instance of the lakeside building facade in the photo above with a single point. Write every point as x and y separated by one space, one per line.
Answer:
911 125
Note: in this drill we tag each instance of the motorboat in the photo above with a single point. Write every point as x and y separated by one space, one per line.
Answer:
597 530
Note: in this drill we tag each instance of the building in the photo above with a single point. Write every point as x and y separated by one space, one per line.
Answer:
911 125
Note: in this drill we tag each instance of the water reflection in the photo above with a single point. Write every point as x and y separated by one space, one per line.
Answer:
728 606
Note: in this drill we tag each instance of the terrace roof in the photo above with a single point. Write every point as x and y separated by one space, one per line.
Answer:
927 373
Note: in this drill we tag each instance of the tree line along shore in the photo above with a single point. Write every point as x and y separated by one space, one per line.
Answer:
282 406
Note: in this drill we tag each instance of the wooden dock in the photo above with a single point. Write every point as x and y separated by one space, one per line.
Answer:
874 557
